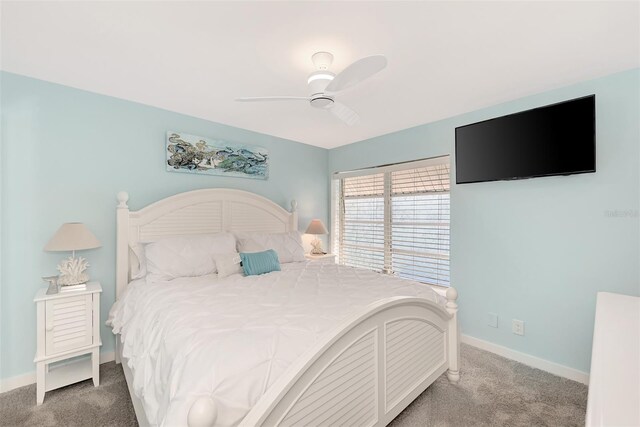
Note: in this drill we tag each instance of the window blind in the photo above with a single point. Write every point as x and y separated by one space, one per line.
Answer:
420 224
395 219
362 222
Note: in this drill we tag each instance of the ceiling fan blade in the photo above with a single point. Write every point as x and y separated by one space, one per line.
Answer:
357 72
273 98
344 113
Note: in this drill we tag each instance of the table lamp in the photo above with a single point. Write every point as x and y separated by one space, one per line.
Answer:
316 227
72 236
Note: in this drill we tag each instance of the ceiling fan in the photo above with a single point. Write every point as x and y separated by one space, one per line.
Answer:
324 85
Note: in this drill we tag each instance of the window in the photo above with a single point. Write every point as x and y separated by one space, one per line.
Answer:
395 219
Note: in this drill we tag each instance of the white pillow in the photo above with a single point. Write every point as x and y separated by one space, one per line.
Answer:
227 264
137 261
288 246
187 256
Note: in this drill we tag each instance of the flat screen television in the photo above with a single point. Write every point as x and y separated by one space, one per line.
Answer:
557 139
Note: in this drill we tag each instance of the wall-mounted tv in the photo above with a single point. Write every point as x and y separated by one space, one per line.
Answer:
557 139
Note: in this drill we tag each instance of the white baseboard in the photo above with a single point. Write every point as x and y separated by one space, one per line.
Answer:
30 378
17 382
534 362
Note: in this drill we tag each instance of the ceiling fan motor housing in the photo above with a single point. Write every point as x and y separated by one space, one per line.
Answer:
318 81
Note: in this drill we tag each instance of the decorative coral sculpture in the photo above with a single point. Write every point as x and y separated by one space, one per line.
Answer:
72 271
317 247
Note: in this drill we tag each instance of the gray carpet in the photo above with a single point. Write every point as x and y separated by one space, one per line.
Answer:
493 391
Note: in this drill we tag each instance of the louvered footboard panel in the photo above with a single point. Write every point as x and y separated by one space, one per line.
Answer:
367 373
414 348
344 393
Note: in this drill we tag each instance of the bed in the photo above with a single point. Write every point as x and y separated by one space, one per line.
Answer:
314 344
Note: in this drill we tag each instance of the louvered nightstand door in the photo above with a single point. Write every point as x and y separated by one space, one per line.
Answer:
68 324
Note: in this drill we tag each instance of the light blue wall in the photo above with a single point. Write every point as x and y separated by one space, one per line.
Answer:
538 249
67 152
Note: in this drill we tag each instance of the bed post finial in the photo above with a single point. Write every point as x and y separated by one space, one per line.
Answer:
452 296
203 413
453 336
293 225
123 198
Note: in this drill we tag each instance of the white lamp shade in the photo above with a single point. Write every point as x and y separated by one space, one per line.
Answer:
316 227
72 236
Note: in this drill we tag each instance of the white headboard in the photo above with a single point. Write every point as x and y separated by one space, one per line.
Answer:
195 212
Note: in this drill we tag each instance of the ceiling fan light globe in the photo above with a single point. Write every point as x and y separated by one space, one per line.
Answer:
320 75
319 80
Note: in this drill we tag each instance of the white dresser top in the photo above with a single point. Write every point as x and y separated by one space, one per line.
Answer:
614 382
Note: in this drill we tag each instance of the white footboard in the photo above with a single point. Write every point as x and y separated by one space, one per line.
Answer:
370 369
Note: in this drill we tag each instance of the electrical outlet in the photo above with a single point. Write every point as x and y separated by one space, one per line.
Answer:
517 327
492 320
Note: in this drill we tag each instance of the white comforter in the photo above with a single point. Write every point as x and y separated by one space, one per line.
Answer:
232 338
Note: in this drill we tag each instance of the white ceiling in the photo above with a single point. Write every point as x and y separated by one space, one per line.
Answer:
445 58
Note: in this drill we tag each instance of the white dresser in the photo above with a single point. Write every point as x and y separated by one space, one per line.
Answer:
614 381
68 325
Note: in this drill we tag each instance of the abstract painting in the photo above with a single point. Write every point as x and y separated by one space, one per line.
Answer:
200 155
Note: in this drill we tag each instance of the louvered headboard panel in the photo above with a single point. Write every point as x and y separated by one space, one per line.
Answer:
245 217
198 218
195 212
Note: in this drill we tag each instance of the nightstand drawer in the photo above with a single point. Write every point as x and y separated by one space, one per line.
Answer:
68 324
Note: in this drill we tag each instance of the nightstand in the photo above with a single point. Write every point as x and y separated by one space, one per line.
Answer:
324 259
68 326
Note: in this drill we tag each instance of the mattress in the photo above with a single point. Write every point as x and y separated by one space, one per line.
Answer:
232 338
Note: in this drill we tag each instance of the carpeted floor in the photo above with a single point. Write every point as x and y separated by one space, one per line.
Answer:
493 391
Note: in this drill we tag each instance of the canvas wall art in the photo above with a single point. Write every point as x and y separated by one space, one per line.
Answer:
200 155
